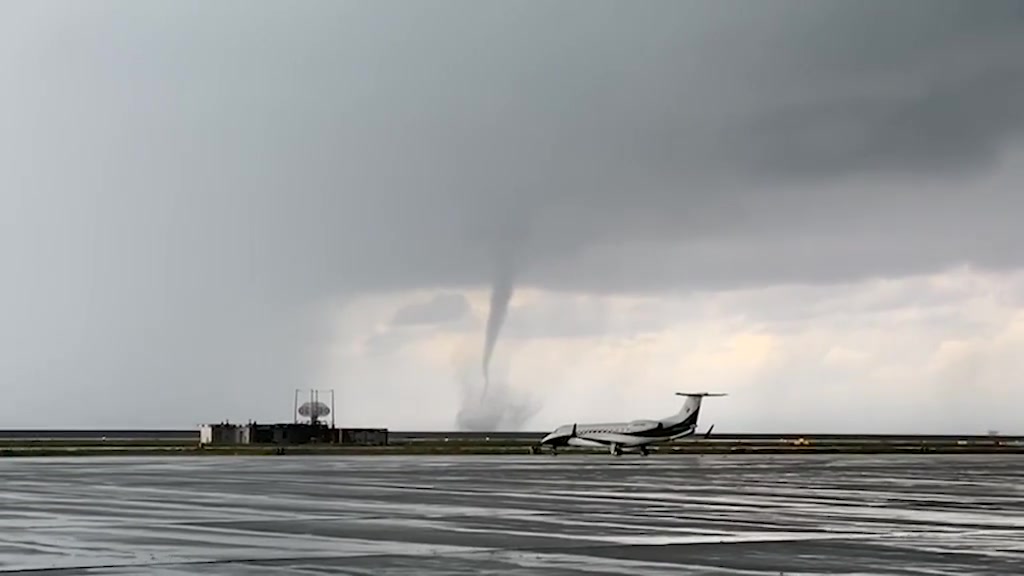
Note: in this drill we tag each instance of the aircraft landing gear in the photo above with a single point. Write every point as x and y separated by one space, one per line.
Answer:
616 450
644 451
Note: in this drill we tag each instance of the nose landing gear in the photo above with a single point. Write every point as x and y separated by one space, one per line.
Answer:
537 449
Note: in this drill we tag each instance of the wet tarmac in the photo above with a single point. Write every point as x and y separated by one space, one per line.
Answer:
564 515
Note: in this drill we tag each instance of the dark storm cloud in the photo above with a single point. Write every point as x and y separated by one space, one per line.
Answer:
181 180
369 145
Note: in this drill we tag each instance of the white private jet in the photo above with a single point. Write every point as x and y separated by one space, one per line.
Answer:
638 434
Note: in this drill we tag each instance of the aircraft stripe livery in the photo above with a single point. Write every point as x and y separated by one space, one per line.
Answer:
634 435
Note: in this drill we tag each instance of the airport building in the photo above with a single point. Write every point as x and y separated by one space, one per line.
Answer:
310 431
224 434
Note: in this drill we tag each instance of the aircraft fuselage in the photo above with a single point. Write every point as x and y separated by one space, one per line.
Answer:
637 434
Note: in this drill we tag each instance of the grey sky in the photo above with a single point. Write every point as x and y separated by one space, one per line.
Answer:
442 308
180 181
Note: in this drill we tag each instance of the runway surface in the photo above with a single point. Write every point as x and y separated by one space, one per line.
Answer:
564 515
407 437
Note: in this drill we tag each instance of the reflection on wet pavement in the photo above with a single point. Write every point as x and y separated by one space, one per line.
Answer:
565 515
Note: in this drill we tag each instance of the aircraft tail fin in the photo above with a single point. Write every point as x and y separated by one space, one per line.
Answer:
691 408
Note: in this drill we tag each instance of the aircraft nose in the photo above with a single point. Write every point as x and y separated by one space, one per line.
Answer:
547 439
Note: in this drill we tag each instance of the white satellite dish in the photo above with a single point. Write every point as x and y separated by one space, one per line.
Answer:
314 410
